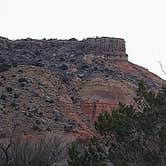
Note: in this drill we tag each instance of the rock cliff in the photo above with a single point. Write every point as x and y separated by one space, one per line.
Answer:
63 85
48 52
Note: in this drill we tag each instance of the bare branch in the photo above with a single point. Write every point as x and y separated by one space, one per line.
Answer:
162 68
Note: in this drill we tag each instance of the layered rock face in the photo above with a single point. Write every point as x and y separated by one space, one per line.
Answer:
112 48
47 52
65 84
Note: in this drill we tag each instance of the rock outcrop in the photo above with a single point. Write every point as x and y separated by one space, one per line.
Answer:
63 85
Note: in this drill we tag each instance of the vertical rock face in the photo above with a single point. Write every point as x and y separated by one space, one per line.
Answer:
107 46
93 109
100 95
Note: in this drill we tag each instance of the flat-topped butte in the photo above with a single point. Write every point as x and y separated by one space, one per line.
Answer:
32 51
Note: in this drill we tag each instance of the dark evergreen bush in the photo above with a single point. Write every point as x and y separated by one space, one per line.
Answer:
4 67
128 137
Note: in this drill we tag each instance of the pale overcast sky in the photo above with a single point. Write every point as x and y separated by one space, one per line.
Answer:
142 23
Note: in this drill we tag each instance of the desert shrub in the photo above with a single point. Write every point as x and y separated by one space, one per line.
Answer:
20 71
4 67
21 80
3 97
8 89
16 95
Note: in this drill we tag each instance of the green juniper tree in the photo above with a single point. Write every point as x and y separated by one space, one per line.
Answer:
128 137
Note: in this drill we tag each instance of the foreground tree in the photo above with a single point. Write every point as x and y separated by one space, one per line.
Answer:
128 137
90 155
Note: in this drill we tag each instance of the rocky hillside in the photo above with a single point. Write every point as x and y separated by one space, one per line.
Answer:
63 85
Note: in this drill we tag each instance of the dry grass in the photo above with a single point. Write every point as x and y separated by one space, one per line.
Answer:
43 152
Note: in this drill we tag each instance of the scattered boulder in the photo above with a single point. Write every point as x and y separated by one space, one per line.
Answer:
49 99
